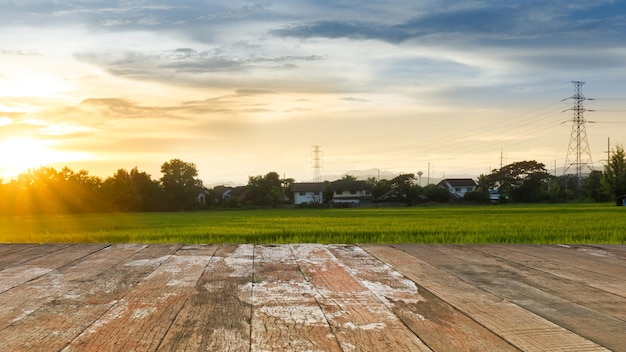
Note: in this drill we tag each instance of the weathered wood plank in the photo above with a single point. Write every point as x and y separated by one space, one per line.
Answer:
438 324
599 300
55 324
617 249
10 248
592 259
358 319
521 328
517 286
27 253
41 265
286 316
216 315
24 299
140 320
612 251
532 257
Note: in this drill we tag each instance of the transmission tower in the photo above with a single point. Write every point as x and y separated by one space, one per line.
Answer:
317 164
578 154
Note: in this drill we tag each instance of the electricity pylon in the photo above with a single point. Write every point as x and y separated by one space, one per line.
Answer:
317 166
578 153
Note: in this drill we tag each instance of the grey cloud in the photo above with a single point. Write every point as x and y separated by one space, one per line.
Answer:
502 21
181 15
238 13
178 63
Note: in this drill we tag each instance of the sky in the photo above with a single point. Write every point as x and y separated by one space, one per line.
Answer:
242 88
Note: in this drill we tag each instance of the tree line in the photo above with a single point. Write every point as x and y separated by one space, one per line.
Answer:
47 190
529 181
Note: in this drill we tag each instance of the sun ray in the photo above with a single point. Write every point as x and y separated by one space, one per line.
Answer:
21 153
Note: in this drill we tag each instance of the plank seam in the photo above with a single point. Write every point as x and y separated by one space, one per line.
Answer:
563 277
253 278
315 296
114 305
183 305
452 306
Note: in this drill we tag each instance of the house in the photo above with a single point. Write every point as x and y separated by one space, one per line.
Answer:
308 193
458 186
351 192
203 196
227 194
236 195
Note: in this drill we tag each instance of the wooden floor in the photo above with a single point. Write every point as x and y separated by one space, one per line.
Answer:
132 297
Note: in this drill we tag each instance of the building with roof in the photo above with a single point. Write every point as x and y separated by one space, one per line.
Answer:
308 193
458 187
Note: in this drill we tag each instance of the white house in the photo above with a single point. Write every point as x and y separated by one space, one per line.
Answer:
458 186
349 191
308 193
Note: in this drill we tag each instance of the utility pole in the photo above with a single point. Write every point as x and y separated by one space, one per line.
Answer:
317 164
578 152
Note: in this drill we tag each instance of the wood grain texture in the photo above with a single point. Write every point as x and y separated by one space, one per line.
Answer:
22 300
566 266
525 288
358 319
216 315
286 315
140 319
523 329
56 323
311 297
437 323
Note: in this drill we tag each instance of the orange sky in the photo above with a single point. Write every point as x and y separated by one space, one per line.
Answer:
244 88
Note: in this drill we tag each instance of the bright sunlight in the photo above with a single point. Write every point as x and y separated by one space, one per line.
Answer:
21 154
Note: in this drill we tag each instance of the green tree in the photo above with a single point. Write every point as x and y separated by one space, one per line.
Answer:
349 178
328 194
380 188
266 190
131 191
614 176
436 194
405 188
180 185
593 187
148 189
523 181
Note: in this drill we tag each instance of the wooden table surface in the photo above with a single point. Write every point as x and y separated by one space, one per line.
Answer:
309 297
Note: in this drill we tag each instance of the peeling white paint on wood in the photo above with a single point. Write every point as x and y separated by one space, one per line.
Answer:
310 297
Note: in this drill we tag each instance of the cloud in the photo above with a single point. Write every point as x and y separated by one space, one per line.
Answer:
19 53
18 129
353 99
213 67
125 109
249 91
490 21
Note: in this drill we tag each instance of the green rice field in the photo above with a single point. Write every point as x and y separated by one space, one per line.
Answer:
524 224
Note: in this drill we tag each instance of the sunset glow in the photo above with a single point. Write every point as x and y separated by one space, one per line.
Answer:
242 88
21 154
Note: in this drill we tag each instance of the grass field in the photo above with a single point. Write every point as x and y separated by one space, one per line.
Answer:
527 224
